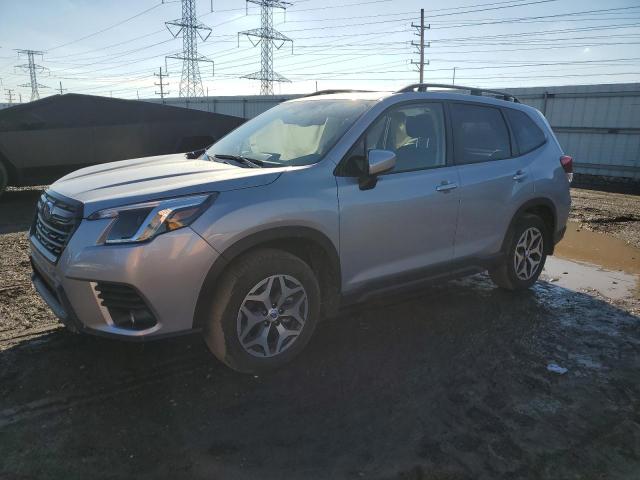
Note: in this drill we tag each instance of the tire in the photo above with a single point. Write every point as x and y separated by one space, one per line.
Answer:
4 178
238 317
517 271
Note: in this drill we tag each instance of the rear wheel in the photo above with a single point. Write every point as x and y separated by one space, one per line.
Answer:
4 178
264 311
524 255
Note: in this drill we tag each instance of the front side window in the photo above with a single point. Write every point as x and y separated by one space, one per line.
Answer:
479 134
293 133
528 135
415 133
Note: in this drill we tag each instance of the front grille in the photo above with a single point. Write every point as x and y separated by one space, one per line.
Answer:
125 305
55 222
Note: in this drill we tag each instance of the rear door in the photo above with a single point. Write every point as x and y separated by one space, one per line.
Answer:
494 180
406 222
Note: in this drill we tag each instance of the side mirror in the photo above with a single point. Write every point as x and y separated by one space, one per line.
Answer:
380 161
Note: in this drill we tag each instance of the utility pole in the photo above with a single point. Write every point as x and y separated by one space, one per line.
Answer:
10 96
421 46
62 90
269 38
190 27
453 81
32 68
161 84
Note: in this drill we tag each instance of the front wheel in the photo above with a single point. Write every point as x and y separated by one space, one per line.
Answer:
525 255
264 311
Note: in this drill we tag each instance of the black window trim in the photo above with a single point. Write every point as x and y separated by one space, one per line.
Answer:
448 158
512 143
544 133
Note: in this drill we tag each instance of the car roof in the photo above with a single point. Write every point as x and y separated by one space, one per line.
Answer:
442 94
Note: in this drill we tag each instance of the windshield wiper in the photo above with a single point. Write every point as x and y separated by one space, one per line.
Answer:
240 159
251 162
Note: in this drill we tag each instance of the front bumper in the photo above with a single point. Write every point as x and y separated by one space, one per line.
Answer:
167 272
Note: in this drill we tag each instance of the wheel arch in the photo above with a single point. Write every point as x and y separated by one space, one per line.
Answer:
309 244
543 208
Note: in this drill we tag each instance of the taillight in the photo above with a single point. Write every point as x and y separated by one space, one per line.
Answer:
567 165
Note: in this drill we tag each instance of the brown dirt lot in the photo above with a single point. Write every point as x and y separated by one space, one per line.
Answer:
614 213
447 383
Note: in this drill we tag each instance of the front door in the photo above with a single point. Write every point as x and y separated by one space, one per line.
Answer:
407 221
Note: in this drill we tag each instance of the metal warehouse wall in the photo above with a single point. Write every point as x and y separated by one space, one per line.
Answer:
599 125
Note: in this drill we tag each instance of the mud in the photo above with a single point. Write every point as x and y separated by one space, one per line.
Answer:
599 249
613 213
448 383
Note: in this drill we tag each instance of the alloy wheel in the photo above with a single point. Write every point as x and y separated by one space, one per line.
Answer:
529 253
272 316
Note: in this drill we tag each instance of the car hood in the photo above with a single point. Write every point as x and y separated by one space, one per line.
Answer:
143 179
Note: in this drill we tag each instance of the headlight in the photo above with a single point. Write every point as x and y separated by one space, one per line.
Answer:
143 221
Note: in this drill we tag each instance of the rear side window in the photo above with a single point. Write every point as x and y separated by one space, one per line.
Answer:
479 134
528 134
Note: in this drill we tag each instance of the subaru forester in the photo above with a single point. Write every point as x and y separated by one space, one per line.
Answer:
323 201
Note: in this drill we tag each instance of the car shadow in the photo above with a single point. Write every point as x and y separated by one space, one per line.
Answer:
450 382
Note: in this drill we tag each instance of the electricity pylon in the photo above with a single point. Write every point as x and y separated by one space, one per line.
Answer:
269 38
190 28
32 68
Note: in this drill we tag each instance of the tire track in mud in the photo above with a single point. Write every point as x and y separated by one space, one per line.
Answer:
55 404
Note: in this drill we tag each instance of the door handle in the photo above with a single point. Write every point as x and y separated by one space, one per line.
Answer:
520 175
446 186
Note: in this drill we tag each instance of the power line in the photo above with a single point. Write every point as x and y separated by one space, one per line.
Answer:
105 29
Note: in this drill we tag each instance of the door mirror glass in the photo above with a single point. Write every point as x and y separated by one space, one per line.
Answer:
380 161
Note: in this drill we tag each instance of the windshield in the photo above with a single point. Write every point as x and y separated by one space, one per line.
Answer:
293 133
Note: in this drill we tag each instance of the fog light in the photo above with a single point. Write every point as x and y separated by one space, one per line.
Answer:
125 305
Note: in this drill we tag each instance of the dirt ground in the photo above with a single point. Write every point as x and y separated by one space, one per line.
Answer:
613 213
449 383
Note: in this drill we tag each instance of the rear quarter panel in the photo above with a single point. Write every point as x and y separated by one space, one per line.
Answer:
549 176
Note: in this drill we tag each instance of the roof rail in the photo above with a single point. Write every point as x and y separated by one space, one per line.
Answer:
423 87
329 92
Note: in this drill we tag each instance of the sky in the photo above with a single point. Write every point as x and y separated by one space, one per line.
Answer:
114 47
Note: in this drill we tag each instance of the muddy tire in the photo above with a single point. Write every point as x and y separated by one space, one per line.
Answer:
525 255
264 311
4 178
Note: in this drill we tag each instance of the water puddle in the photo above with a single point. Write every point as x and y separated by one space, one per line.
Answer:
586 260
598 249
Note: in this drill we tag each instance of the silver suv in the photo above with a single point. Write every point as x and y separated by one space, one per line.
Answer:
322 201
